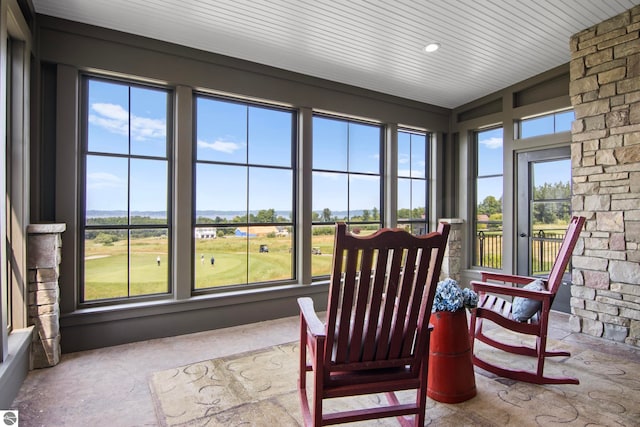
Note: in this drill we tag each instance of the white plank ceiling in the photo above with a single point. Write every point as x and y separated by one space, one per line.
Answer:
486 45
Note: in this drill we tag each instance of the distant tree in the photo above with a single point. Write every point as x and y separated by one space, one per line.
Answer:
366 215
417 213
266 215
326 215
489 206
404 213
204 220
375 214
551 212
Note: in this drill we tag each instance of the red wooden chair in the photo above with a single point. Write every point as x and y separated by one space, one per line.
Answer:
498 310
376 335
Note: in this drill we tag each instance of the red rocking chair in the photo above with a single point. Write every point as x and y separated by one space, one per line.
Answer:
503 313
376 336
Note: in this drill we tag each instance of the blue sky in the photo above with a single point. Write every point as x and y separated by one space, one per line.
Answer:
117 114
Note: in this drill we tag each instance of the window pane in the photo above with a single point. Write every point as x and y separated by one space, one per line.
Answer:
124 122
364 196
105 264
229 250
149 258
552 180
221 260
488 248
564 121
108 118
418 156
270 255
149 122
547 124
418 199
270 194
489 195
404 199
148 191
322 242
221 131
404 154
221 188
329 144
364 148
551 188
330 195
270 135
490 152
536 126
106 187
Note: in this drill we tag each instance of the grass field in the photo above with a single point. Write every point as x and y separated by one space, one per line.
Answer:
237 261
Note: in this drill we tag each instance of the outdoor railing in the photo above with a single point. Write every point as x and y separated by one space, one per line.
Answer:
544 247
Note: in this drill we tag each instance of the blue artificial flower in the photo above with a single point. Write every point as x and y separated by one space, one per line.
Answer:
449 297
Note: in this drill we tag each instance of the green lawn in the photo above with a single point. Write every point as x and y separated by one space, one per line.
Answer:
237 261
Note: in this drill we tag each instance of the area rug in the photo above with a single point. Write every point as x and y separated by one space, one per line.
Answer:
259 389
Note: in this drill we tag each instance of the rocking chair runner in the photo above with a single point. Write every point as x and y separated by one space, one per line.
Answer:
376 337
499 311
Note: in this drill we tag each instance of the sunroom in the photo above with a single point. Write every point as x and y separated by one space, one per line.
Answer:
191 162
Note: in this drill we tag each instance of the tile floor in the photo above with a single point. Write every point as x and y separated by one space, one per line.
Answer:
110 386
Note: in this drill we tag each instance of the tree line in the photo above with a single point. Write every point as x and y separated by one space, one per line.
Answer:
545 210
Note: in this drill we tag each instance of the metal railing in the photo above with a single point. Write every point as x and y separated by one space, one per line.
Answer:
544 247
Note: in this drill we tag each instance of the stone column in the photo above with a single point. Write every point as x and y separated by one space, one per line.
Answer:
453 253
605 158
43 260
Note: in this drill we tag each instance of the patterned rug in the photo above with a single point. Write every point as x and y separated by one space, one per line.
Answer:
259 389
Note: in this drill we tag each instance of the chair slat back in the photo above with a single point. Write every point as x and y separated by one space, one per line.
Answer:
564 254
380 297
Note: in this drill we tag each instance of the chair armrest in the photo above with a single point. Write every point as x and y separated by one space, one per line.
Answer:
506 278
483 287
314 324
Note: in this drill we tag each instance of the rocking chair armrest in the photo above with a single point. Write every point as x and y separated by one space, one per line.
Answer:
314 324
483 287
506 278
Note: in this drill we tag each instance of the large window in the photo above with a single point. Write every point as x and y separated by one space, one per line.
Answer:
126 191
347 184
413 158
244 192
488 196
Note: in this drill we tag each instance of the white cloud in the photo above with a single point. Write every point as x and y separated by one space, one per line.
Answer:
221 146
143 128
115 119
103 180
492 143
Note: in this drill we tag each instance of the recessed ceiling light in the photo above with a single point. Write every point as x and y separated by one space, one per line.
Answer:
432 47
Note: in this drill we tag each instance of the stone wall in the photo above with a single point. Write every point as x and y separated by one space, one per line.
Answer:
452 261
43 263
605 93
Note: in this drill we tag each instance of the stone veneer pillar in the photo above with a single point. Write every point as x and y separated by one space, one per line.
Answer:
43 260
605 152
453 253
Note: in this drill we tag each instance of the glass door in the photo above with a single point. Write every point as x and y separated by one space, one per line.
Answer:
544 211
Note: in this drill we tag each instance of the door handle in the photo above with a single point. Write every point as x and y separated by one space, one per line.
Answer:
523 235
